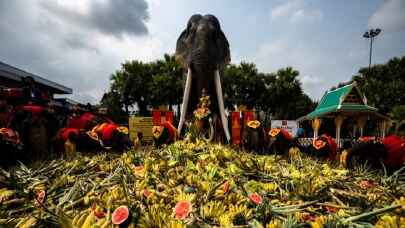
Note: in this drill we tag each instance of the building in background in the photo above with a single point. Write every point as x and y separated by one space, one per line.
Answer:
12 77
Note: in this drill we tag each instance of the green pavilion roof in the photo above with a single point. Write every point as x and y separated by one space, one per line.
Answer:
346 99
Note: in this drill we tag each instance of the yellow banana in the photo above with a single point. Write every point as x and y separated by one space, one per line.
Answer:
89 220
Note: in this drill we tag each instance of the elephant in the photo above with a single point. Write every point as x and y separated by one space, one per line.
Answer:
254 137
165 133
203 50
84 142
324 147
112 136
280 141
11 147
37 127
389 152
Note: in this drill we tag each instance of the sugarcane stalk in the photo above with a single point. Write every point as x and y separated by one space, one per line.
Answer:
371 213
333 205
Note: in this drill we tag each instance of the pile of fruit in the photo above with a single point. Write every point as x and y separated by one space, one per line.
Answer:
199 185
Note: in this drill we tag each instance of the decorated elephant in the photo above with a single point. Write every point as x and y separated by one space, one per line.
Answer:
11 146
83 140
376 152
37 127
203 50
112 135
254 137
280 141
165 133
86 121
324 147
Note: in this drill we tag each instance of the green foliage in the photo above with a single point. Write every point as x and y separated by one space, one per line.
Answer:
384 85
279 94
142 84
161 83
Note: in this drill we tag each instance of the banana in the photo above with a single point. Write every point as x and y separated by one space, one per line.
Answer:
81 219
100 222
75 219
89 220
105 224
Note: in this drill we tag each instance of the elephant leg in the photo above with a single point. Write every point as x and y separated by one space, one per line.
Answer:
221 105
185 101
38 140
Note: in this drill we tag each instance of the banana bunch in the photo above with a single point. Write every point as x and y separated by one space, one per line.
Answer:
87 219
6 194
389 221
225 220
185 196
155 216
235 198
27 222
400 201
213 210
319 222
240 210
275 223
233 169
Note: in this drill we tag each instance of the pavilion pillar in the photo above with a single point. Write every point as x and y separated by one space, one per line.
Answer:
316 124
361 122
338 124
354 130
384 125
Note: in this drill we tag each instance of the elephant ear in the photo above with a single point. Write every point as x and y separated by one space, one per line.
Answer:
183 44
224 55
181 49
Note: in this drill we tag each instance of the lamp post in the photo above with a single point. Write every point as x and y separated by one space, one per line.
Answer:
370 35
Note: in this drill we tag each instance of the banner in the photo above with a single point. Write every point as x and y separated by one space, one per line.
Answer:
289 125
156 117
140 124
247 116
236 128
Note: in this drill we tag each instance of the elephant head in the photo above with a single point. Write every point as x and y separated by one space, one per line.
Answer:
203 50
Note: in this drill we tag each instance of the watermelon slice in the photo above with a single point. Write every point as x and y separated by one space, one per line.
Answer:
120 215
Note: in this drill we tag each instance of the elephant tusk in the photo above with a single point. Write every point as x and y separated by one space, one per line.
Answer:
186 97
221 105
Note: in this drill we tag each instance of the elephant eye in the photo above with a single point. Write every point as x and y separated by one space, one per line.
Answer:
211 27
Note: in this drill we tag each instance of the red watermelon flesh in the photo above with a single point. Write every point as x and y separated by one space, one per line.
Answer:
120 215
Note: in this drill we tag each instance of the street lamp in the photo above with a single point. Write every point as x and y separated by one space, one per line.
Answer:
370 35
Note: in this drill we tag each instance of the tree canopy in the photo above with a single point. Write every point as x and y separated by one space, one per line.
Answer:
142 85
384 87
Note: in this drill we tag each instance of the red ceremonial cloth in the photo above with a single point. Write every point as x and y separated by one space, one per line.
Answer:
235 116
169 116
64 133
107 131
248 116
286 134
81 121
171 128
156 118
35 110
332 146
396 151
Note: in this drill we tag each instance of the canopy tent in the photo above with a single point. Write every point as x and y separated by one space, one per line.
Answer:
343 102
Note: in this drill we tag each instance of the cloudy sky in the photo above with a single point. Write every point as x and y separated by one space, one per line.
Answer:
79 43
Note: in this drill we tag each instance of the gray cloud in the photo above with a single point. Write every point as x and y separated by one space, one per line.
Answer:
113 17
390 16
34 37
